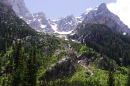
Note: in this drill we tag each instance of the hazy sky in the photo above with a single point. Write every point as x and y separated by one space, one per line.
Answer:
54 9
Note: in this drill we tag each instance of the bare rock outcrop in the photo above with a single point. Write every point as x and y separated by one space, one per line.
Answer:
64 67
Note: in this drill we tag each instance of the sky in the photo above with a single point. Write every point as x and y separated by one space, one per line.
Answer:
54 9
122 9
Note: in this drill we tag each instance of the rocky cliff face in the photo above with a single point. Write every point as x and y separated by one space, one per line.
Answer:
18 6
38 21
67 24
103 16
97 15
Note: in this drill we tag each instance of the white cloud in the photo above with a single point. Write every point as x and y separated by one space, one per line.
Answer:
122 9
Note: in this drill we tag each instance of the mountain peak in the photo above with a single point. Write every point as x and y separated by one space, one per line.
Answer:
103 5
103 8
71 15
103 16
39 14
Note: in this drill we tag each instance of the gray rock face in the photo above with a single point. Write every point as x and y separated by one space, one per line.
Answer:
103 16
64 67
4 9
38 21
67 24
18 6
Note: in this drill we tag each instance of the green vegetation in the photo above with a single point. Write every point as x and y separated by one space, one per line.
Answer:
29 58
106 42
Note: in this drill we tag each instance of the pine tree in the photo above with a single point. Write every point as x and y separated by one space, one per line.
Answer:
31 68
16 53
18 74
110 78
128 79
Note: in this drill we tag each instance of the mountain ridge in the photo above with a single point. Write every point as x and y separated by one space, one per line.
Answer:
39 21
103 16
35 59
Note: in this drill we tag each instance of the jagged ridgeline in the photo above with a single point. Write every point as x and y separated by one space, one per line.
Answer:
26 56
29 58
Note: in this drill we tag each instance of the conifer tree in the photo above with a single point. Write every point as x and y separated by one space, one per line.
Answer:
128 79
19 64
110 78
32 68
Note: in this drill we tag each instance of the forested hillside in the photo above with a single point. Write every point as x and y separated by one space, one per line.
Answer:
105 41
29 58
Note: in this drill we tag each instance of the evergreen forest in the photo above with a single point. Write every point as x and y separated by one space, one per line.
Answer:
94 56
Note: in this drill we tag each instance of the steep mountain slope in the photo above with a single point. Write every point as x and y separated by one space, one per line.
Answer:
38 21
20 9
28 58
103 16
105 40
97 15
26 55
11 27
67 24
18 6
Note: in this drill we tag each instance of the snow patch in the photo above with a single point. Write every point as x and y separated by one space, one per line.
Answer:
124 33
91 9
28 22
39 20
21 17
70 22
54 27
79 17
38 30
43 26
34 19
69 32
88 10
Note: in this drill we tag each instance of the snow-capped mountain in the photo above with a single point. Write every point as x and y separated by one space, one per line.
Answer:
83 15
66 24
39 21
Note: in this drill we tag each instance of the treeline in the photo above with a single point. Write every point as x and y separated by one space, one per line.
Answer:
12 28
106 42
25 55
